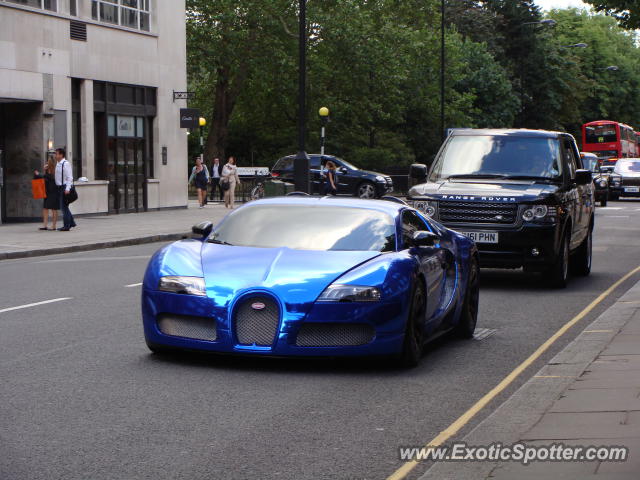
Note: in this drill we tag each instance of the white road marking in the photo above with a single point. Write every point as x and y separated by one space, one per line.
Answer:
611 208
482 333
133 285
618 216
35 304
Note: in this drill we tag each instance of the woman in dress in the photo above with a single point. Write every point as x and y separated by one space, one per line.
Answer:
331 181
51 202
200 176
230 176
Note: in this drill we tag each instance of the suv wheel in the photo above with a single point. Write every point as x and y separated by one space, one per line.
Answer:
366 190
581 259
559 272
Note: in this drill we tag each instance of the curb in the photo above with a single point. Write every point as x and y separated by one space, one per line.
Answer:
522 410
127 242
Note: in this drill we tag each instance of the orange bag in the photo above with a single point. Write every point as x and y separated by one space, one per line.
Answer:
38 188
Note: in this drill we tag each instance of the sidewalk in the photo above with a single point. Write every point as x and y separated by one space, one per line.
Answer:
20 240
587 395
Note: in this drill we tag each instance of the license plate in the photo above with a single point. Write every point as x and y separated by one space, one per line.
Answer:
482 237
632 189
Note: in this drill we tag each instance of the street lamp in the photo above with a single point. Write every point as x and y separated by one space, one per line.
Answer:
324 117
442 67
202 122
610 68
547 22
301 162
575 45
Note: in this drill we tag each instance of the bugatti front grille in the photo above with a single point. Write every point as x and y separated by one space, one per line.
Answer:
478 212
199 328
256 321
333 335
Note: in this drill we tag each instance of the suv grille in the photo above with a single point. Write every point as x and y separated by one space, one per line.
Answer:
478 212
256 326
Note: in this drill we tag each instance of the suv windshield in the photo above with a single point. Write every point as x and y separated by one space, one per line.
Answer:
304 227
500 156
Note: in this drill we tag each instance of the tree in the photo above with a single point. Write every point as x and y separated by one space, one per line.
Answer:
627 12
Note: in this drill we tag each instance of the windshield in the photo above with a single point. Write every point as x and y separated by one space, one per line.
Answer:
601 133
628 167
304 227
486 156
343 163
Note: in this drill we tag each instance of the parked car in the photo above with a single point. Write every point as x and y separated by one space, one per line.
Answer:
601 176
522 195
313 276
351 180
627 174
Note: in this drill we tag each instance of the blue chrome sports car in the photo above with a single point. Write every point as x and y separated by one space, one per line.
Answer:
305 276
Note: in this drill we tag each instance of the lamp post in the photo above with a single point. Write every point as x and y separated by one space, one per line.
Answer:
324 118
547 22
575 45
301 162
202 122
442 67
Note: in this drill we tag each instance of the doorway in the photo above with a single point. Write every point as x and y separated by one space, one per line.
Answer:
126 167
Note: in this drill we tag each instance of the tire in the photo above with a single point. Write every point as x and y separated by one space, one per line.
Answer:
466 325
581 259
559 273
366 190
257 192
615 197
413 335
603 200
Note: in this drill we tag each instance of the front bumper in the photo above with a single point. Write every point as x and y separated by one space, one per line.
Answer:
383 188
515 247
386 319
621 191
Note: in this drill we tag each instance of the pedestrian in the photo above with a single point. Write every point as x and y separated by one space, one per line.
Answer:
331 179
200 177
216 173
231 179
64 182
51 202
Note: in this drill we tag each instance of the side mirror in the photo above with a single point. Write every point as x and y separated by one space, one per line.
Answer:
202 229
418 171
344 170
584 177
424 238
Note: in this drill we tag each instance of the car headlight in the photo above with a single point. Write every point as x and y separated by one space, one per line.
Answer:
380 178
349 293
603 183
616 181
541 213
185 285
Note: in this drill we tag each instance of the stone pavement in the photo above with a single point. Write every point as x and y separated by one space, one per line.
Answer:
587 395
19 240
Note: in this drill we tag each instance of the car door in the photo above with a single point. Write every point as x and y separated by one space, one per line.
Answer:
315 170
579 195
432 263
346 178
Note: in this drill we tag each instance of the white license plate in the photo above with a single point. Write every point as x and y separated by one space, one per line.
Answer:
482 237
632 189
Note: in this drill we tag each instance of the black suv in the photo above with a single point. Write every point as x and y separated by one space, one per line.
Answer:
351 180
522 195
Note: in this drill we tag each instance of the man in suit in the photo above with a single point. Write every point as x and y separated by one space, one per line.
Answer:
216 173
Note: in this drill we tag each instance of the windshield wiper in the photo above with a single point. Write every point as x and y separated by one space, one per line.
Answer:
477 175
219 242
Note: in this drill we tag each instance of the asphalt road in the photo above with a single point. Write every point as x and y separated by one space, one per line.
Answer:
82 398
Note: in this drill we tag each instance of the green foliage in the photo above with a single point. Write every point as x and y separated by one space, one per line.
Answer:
376 66
627 12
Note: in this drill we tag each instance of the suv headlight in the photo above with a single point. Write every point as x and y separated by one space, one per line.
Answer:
540 213
380 178
349 293
615 181
185 285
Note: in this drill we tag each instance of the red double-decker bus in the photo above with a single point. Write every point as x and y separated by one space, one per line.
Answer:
609 140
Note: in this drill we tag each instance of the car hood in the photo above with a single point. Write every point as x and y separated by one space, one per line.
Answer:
515 191
295 276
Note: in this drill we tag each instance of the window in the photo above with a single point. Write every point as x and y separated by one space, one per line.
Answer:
411 223
51 5
73 8
571 158
128 13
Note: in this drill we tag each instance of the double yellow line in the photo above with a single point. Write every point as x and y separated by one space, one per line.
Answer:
461 421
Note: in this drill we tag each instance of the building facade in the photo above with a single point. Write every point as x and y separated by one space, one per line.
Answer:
95 77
